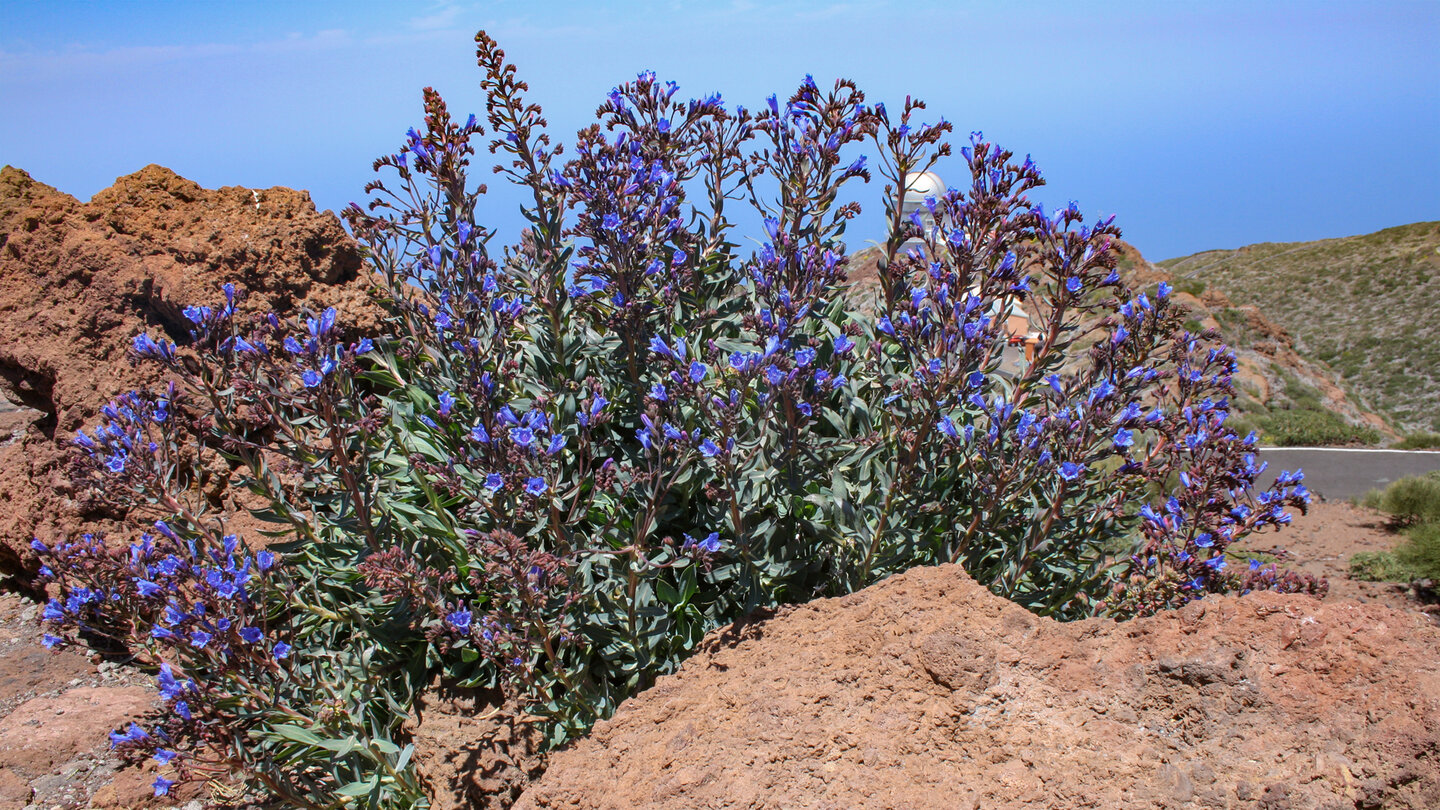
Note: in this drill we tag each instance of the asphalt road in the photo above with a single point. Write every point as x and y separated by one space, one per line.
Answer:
1341 473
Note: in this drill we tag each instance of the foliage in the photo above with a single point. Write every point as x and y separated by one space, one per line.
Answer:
1421 551
1410 500
1363 305
1313 428
1419 441
1379 566
1413 503
577 454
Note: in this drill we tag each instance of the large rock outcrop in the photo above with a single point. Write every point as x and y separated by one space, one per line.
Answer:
927 691
79 280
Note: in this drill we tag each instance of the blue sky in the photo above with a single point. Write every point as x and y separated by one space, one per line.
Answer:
1202 125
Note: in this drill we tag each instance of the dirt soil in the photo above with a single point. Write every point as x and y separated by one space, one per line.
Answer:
927 691
55 711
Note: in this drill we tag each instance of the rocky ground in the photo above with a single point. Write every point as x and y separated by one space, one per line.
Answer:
927 691
835 710
79 280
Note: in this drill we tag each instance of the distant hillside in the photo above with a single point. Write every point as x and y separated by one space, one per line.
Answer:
1367 306
1290 398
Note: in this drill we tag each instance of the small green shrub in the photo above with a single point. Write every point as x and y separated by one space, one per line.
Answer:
1379 566
1419 441
1421 553
1413 500
1193 286
1313 428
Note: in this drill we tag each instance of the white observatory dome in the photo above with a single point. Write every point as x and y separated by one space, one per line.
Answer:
922 185
917 188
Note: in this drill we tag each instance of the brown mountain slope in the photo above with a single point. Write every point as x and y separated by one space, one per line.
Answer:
1364 305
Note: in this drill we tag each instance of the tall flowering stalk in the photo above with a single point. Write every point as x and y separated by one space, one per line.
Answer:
575 455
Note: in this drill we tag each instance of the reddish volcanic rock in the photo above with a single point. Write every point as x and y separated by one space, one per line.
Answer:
927 691
79 280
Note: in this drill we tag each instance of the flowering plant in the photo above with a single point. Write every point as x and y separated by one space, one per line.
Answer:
577 454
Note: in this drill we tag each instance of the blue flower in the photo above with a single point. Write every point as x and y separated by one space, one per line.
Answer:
200 638
1124 438
1163 292
843 344
479 434
147 588
657 392
162 786
165 756
557 443
946 426
251 635
643 436
312 378
196 314
53 612
183 710
709 449
659 346
708 545
51 642
522 436
1070 471
447 402
535 486
774 375
1216 563
1204 540
1072 284
885 326
460 620
293 346
804 357
698 370
365 346
976 379
265 560
494 481
282 651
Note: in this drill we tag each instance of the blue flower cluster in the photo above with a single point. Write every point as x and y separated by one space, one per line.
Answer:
203 602
130 434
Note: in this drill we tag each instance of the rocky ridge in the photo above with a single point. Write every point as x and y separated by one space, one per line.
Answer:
79 280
